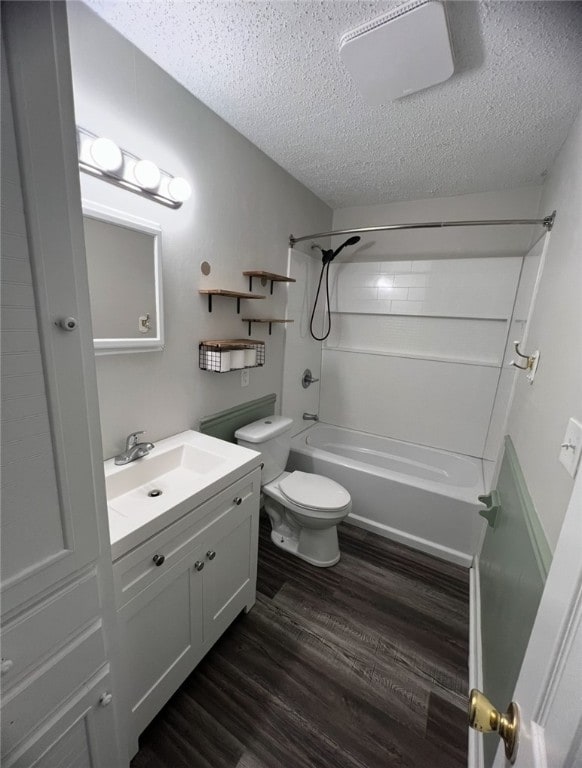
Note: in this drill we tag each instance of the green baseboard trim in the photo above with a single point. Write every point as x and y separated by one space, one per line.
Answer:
225 423
539 542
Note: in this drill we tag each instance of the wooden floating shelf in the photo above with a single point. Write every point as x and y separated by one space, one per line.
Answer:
272 276
270 320
238 295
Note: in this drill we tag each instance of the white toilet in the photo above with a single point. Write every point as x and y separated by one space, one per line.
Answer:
304 508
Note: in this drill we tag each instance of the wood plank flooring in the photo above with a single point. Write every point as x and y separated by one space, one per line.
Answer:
363 665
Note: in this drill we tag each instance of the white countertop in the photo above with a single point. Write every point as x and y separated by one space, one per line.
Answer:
189 468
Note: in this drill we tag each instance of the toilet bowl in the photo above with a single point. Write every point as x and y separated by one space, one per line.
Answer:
304 508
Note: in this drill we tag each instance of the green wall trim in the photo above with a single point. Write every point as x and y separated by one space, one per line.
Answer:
539 542
513 566
225 423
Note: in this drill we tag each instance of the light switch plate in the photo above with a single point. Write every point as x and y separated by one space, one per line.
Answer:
571 448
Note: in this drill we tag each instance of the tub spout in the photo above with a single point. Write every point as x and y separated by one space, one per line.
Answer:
310 417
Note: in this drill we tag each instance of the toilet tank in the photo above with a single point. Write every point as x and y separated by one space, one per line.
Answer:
271 436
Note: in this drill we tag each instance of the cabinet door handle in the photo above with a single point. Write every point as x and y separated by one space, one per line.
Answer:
105 699
237 500
211 554
159 559
199 565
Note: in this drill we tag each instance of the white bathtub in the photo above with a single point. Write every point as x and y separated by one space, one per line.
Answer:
423 497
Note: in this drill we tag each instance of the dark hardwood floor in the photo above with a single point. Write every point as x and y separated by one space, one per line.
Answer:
363 665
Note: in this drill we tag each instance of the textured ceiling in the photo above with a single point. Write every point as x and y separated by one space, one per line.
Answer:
272 70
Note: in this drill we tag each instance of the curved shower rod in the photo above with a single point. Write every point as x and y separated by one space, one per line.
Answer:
547 222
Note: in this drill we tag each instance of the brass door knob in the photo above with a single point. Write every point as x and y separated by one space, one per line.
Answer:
485 718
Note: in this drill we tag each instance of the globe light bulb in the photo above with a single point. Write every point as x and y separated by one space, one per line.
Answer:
179 189
106 155
147 174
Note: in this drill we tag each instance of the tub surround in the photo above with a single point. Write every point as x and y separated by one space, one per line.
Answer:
435 330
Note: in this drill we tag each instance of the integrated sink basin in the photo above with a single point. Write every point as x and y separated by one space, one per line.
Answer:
175 474
180 473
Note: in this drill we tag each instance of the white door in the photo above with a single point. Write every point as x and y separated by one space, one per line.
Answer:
548 690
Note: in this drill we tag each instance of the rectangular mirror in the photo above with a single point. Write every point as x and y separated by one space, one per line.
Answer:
125 280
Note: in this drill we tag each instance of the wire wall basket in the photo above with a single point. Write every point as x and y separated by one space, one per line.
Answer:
230 354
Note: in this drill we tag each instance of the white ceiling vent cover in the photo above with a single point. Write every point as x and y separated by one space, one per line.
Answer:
400 52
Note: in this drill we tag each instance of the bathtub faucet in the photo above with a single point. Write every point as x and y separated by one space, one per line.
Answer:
310 417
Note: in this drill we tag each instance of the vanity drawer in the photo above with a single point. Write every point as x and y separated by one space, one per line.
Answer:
28 639
143 565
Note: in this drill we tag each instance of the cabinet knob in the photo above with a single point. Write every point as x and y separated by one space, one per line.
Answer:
6 665
211 554
199 565
67 323
159 559
105 699
237 500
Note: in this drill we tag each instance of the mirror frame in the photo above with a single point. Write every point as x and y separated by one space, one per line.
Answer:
100 212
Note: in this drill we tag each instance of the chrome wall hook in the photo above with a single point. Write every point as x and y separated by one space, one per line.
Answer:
531 362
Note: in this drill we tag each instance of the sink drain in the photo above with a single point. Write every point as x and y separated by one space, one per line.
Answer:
156 492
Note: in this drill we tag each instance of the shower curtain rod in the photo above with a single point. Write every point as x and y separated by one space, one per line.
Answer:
547 222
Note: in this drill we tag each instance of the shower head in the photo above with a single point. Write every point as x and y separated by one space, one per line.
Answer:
351 241
327 257
330 255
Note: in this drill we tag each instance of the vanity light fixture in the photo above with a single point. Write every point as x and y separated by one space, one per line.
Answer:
101 157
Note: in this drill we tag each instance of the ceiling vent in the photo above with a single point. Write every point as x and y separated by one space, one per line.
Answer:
399 53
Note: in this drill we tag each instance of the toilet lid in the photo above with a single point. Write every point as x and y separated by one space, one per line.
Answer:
314 491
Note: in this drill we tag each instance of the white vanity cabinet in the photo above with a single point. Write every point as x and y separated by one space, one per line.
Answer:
179 590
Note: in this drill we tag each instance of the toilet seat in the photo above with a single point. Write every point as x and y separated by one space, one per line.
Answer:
314 492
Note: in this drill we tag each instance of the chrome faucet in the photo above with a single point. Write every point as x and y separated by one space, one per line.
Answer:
310 417
133 449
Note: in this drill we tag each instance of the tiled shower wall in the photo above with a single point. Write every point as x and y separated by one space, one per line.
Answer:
417 348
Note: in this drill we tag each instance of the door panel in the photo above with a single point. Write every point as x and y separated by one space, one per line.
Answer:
32 637
79 735
26 707
49 526
32 530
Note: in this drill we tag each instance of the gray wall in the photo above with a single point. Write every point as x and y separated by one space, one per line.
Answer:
242 211
540 413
